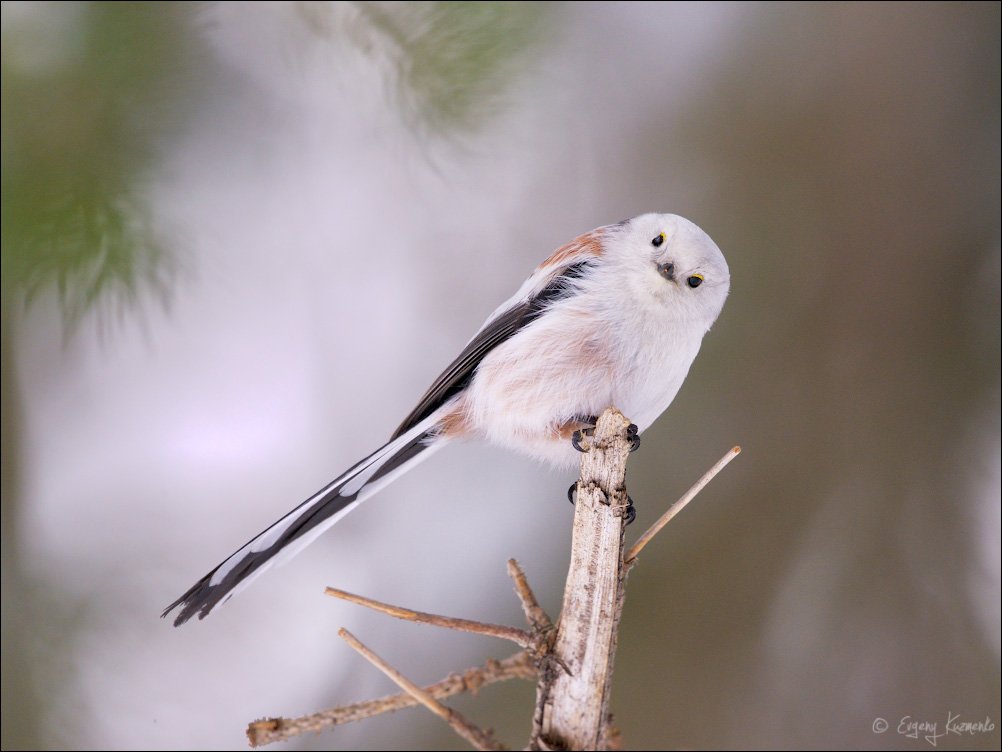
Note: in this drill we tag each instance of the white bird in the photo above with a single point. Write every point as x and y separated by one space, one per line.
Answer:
613 318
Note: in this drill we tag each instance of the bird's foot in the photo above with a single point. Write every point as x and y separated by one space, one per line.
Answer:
631 511
633 436
589 422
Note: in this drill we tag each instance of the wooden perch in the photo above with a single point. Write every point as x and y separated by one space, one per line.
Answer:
572 697
571 661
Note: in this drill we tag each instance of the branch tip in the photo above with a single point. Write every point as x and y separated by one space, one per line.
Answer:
538 619
679 505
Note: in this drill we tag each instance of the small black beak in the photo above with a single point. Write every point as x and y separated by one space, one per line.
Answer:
667 271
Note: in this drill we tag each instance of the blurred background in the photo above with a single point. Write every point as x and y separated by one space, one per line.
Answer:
240 239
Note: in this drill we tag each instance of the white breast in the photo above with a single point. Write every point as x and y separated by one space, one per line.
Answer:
583 355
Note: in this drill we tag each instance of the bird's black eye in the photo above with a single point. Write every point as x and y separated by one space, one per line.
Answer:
695 280
658 240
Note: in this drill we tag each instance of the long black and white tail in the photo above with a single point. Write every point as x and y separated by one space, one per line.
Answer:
305 523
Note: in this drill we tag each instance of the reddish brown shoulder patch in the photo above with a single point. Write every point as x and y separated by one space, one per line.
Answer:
566 430
589 244
454 423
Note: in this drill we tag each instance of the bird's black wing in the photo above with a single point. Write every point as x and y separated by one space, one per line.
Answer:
456 377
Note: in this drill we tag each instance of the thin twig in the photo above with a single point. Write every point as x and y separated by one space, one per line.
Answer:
479 738
678 506
268 730
534 613
519 636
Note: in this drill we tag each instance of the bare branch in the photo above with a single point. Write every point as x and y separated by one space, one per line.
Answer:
573 660
479 738
679 505
519 636
572 696
534 613
268 730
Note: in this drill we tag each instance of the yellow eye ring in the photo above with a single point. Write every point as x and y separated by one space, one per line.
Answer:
658 240
694 280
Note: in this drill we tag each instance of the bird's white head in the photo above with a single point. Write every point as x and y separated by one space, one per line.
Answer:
666 259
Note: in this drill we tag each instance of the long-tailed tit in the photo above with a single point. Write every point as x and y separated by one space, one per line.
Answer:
613 318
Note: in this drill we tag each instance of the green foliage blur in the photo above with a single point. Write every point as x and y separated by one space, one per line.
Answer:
450 59
87 92
90 90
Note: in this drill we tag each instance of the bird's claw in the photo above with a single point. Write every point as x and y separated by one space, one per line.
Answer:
633 436
631 511
589 422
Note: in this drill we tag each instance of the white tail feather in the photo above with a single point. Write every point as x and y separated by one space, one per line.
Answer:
304 524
